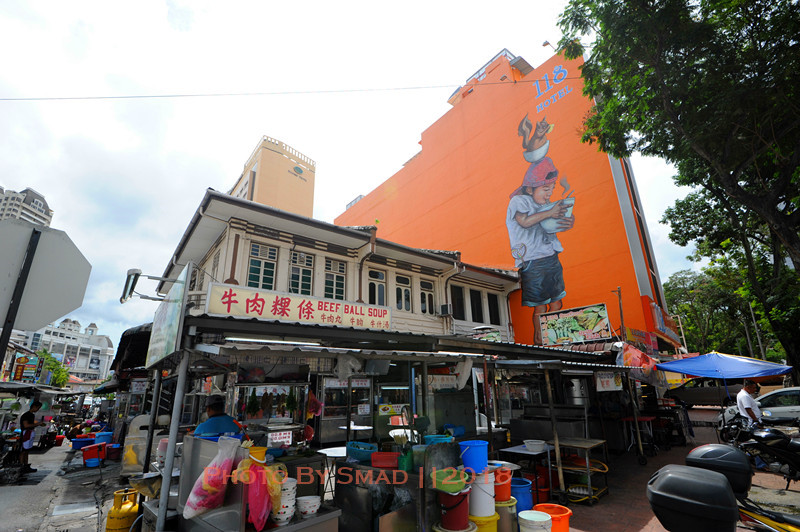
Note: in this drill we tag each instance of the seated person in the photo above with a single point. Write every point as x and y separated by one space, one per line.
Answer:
218 421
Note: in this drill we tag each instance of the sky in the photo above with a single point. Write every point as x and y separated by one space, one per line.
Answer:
350 84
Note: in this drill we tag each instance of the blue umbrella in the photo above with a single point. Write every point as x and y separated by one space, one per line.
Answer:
721 366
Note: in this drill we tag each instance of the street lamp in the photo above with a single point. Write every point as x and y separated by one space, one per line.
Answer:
130 285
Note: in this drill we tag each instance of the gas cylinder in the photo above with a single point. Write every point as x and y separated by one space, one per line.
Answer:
124 512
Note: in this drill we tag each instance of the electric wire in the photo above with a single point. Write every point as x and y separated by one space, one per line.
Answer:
266 93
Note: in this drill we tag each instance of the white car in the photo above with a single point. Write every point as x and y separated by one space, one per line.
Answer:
784 402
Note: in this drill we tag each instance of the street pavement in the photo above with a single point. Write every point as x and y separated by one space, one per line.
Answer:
62 496
626 509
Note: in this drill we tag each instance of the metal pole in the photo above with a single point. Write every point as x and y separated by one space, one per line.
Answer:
635 406
153 415
349 406
424 389
683 336
486 397
758 334
622 332
166 473
557 445
16 297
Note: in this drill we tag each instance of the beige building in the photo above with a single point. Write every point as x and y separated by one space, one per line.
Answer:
86 353
279 176
27 205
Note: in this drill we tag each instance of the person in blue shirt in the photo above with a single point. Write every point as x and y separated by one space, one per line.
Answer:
218 421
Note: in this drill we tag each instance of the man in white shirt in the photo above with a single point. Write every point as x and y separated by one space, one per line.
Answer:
748 407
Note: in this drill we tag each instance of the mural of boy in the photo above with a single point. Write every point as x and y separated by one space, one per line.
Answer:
533 223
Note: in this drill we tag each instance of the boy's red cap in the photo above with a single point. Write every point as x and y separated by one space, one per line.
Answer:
538 174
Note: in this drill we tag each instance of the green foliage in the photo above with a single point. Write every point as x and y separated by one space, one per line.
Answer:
710 85
748 265
59 373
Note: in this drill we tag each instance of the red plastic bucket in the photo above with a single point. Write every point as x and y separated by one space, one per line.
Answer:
541 495
94 452
59 440
502 485
559 514
455 510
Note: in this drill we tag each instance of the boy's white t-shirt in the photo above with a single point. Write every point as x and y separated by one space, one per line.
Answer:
533 242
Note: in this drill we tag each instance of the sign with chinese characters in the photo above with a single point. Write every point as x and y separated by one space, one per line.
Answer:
390 410
138 385
342 383
246 302
282 437
608 381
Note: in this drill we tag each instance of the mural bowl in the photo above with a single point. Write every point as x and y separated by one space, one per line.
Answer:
551 224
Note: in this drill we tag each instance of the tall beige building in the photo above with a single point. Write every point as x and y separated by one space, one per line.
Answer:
279 176
27 205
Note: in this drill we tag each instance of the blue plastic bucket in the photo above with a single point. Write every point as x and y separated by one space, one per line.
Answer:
430 439
475 455
103 437
521 490
92 462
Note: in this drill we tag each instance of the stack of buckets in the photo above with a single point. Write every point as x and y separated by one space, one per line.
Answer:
475 456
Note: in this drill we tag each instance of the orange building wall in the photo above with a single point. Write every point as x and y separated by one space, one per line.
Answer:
454 194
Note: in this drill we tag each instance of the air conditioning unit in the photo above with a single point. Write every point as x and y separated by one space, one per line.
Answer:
446 310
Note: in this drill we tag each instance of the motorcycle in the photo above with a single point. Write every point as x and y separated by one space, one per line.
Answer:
711 493
770 448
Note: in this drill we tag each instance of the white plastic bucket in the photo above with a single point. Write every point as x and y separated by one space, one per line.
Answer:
533 521
481 498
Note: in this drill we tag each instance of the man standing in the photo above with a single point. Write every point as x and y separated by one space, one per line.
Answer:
28 422
218 421
748 407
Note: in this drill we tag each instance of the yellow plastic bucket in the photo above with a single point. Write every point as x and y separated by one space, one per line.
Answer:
438 528
259 454
486 524
507 510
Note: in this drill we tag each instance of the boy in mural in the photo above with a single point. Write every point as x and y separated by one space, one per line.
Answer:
535 249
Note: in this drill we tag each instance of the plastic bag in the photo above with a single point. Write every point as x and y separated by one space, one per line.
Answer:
209 488
263 489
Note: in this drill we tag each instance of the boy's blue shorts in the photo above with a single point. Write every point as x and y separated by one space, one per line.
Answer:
542 281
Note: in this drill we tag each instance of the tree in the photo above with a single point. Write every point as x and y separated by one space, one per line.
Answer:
59 373
710 85
748 262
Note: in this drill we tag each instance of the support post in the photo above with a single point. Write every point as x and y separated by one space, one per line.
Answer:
16 297
486 404
349 406
166 473
557 445
153 415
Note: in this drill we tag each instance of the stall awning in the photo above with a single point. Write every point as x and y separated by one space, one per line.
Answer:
16 387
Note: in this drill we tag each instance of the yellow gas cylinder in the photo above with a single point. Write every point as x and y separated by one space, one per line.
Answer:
124 512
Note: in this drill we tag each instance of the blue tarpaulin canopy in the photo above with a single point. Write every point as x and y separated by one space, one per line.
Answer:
721 366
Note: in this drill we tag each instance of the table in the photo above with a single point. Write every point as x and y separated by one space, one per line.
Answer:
331 454
586 445
355 428
521 449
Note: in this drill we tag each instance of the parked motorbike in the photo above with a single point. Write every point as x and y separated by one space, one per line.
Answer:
770 448
711 493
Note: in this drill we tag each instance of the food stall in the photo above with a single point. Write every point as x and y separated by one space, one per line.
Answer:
337 396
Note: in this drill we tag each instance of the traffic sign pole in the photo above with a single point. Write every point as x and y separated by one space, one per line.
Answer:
16 298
